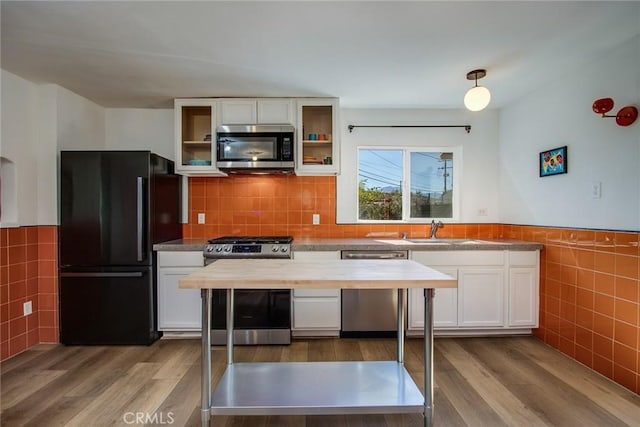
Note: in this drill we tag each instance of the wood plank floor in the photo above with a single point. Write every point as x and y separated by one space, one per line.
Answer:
478 382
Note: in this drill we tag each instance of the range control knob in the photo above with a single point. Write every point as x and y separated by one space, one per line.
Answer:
227 248
274 248
209 248
218 248
284 249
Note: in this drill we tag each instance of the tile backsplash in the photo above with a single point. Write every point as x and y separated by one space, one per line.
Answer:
284 205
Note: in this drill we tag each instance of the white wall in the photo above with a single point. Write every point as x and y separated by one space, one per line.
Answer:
480 164
598 149
20 145
47 155
80 122
37 122
140 129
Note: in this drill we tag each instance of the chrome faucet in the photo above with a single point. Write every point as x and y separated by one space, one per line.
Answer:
434 228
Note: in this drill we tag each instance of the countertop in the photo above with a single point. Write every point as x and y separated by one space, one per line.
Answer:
326 244
296 273
183 245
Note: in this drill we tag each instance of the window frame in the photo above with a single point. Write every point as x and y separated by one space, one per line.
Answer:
406 183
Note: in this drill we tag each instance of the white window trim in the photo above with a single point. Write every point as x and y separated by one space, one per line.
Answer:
406 183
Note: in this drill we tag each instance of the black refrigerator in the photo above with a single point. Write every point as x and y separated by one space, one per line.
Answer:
114 205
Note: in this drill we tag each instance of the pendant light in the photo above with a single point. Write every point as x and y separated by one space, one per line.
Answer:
478 97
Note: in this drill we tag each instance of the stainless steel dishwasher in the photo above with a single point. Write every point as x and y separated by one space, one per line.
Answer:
370 313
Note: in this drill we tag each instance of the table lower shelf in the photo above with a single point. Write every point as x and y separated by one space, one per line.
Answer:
316 388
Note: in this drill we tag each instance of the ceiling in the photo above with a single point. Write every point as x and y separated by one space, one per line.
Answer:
369 54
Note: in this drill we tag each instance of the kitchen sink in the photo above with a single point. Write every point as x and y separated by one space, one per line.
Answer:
446 241
434 242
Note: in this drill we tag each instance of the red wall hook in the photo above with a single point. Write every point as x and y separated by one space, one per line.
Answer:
625 117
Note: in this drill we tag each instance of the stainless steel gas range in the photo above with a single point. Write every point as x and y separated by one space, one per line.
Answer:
260 316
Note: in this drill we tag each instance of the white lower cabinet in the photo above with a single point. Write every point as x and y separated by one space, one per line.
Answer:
497 293
316 312
481 297
523 289
445 306
178 309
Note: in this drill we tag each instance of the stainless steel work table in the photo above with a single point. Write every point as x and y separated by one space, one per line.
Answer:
312 388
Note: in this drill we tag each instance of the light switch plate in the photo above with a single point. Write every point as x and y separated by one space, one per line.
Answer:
316 219
201 218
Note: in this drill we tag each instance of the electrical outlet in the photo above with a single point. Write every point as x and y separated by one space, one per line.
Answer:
316 219
482 212
201 218
27 308
596 190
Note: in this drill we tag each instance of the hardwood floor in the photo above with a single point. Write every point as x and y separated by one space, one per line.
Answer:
478 382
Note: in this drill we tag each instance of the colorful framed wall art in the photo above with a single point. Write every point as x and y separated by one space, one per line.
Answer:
553 162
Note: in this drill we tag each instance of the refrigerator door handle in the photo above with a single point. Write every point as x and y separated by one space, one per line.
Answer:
130 274
140 218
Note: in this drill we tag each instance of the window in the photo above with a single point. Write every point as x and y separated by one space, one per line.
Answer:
407 184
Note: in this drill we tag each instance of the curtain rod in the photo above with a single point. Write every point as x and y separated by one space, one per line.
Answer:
467 128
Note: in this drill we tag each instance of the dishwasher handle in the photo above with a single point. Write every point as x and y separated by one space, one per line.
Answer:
375 255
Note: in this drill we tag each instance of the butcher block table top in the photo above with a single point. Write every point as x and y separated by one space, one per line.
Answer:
292 273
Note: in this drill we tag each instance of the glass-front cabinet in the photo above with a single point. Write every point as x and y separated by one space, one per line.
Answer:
195 125
318 136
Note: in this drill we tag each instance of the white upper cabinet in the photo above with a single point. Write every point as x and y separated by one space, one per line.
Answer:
195 125
275 111
237 112
256 111
318 136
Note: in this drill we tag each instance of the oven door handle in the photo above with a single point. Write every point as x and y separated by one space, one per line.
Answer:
364 255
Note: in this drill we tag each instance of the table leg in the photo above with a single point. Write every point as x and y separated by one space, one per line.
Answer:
428 357
230 303
400 325
205 409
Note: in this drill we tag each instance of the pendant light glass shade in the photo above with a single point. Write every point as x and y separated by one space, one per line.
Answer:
477 98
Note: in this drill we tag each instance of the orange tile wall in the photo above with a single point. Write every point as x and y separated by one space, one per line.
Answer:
28 272
589 279
589 297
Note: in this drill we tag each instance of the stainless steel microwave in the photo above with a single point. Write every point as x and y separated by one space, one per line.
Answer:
255 148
